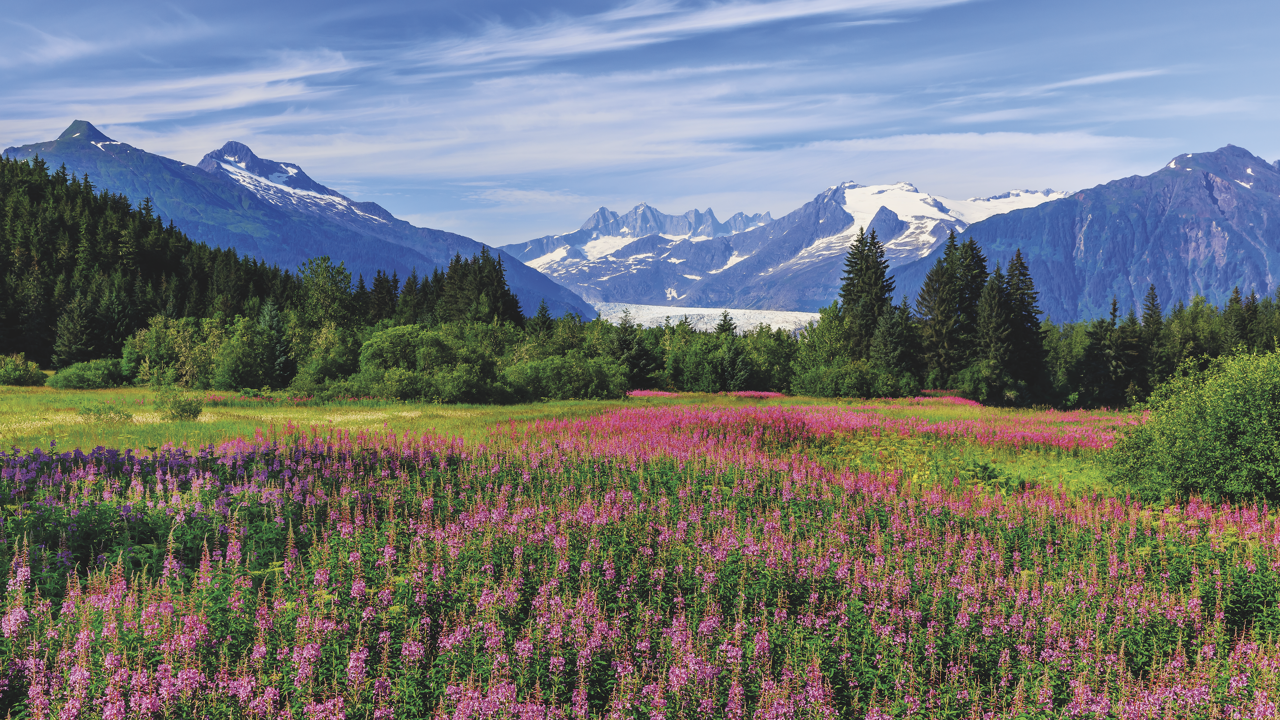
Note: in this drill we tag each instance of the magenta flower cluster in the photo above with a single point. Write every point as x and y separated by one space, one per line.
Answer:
645 563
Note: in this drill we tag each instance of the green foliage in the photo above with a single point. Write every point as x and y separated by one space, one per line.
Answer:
92 375
177 406
169 352
1212 432
567 377
17 370
242 361
938 307
866 292
105 413
81 270
850 379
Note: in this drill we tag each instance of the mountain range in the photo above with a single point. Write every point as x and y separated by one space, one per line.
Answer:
752 261
1204 224
275 212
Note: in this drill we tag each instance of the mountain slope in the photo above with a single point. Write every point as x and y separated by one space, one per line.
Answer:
1203 224
752 262
275 212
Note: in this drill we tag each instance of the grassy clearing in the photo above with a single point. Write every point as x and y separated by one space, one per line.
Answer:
36 417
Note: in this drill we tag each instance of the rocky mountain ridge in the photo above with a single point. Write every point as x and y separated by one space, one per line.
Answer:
275 212
752 262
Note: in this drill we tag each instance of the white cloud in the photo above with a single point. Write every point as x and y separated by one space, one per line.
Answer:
511 198
1102 79
33 46
637 25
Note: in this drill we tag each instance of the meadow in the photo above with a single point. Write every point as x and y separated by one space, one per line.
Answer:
661 557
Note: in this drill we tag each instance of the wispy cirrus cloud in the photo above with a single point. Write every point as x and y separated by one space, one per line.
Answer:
28 44
639 24
283 77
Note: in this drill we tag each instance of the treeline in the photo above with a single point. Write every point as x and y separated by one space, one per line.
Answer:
82 270
86 277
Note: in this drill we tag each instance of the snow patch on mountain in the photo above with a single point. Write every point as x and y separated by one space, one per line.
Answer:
271 190
703 318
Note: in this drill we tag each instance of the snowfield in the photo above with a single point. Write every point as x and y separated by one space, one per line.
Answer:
704 318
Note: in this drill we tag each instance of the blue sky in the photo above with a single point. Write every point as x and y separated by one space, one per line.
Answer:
505 121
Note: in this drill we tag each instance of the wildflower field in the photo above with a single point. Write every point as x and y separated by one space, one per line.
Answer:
742 558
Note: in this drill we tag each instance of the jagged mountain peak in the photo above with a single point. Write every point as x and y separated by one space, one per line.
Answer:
793 262
272 211
84 130
235 159
1202 225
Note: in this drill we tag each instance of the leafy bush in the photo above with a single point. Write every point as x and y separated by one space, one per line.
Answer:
103 413
566 378
1214 433
177 406
854 379
92 375
16 370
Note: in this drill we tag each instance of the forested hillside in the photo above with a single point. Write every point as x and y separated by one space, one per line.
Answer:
108 293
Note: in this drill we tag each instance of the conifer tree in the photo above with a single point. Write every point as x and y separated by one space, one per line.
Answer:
1026 341
994 322
937 306
383 296
866 292
72 342
895 347
726 325
969 273
414 300
542 322
361 302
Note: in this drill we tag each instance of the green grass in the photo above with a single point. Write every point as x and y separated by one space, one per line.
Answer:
35 417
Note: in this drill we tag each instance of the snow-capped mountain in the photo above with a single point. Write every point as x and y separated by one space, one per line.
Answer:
287 186
274 212
1204 224
753 262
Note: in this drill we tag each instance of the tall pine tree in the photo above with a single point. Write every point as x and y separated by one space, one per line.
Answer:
866 292
1026 340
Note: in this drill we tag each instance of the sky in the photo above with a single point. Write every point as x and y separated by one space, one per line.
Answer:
508 120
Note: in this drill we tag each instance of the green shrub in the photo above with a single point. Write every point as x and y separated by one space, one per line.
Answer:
92 375
567 378
178 406
1214 433
16 370
103 413
854 379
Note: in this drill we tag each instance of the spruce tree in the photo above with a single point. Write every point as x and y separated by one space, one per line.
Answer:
866 292
895 347
936 306
969 273
1155 354
361 302
72 342
726 325
382 297
1235 323
994 323
542 322
1026 340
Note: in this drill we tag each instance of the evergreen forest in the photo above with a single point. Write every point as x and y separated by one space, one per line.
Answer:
107 293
